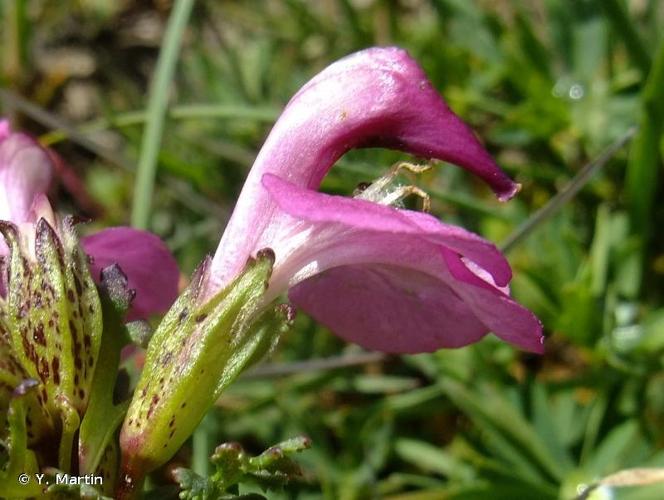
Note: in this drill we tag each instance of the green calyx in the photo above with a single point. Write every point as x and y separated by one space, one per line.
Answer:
53 314
196 351
51 324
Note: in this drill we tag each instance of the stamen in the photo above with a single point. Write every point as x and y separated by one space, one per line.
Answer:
384 191
397 195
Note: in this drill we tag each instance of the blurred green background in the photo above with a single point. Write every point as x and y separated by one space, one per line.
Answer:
547 85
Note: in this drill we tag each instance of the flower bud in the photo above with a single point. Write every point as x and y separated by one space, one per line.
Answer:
53 313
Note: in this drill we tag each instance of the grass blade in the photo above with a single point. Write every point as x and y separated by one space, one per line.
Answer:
14 50
147 163
624 27
644 157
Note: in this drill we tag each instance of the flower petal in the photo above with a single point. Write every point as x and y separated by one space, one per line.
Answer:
388 308
25 171
376 97
5 129
382 98
501 314
359 268
310 206
150 268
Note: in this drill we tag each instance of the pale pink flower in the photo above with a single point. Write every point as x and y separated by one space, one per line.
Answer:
385 278
26 171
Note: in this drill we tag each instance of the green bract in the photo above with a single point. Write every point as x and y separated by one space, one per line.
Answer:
53 318
51 331
196 351
53 315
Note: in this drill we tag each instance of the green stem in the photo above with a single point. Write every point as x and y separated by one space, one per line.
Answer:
156 113
102 417
70 424
201 440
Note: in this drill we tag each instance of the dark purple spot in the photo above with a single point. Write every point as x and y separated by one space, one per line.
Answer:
38 335
55 364
43 369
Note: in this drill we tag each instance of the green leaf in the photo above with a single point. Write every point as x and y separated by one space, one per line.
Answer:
617 13
652 338
615 451
433 459
271 469
380 384
600 250
645 155
103 417
506 426
545 423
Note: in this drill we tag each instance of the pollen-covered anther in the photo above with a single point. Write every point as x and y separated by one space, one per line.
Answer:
411 167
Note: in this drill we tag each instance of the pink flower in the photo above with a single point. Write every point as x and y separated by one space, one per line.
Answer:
26 171
388 279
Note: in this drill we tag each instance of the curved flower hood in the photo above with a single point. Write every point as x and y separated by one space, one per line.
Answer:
387 279
26 171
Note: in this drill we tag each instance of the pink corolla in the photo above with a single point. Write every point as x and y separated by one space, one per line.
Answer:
385 278
26 171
